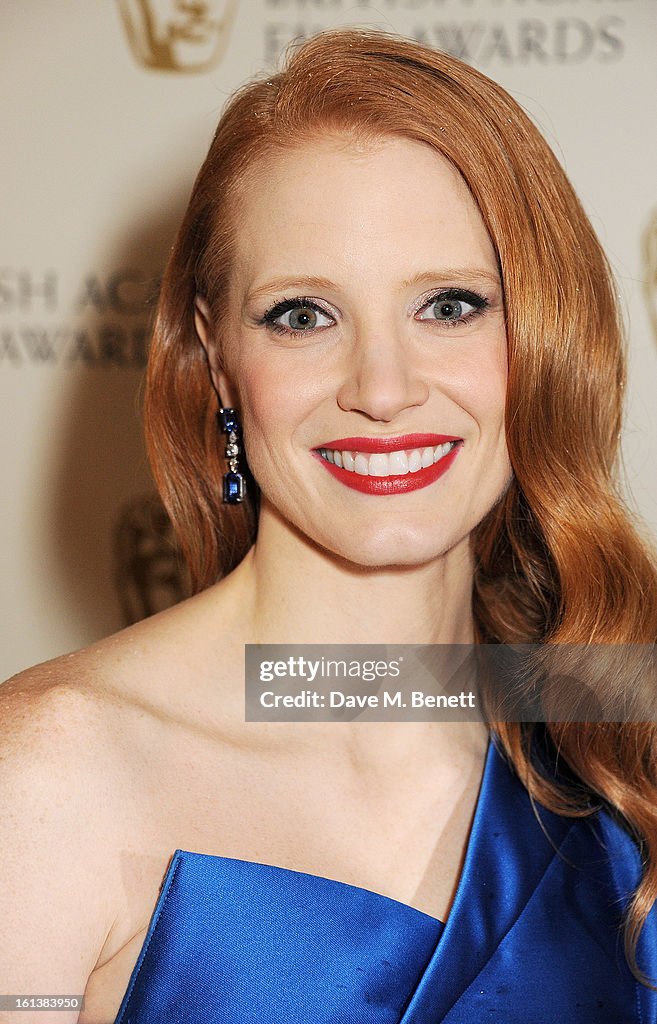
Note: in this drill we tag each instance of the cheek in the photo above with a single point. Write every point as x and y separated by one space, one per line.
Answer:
477 383
275 395
487 399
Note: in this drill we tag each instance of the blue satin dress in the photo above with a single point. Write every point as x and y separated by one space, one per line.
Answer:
532 936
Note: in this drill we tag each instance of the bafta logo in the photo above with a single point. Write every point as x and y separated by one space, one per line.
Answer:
149 570
178 35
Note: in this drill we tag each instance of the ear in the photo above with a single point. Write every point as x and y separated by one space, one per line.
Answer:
226 391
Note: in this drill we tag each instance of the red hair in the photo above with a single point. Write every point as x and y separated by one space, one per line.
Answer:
559 559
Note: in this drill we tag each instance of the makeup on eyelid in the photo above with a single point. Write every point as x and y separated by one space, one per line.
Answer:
452 301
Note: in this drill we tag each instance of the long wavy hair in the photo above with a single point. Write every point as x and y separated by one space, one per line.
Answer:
559 559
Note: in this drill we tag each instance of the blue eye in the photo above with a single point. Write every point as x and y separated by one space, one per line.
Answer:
304 316
454 306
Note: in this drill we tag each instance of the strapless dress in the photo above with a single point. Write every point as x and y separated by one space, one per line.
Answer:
533 935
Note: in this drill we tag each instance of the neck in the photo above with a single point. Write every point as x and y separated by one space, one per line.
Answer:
293 591
289 590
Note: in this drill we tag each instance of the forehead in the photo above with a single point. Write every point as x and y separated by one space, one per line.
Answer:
356 206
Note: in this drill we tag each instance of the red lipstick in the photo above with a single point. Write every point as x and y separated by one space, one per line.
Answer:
387 444
398 484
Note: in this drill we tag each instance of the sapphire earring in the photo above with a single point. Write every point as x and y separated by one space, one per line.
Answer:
233 489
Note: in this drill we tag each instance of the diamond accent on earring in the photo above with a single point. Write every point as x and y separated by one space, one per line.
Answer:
234 488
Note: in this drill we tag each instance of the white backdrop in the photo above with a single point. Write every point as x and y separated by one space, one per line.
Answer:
107 109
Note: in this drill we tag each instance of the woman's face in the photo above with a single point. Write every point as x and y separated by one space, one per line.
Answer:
366 306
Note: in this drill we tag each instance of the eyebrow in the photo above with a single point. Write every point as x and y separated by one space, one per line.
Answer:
313 281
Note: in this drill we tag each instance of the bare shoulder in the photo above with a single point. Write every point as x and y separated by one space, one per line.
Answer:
62 812
91 707
48 716
59 689
88 824
56 717
60 765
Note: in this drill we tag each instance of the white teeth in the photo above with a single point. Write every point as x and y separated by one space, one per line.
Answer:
427 458
377 464
361 465
442 449
397 463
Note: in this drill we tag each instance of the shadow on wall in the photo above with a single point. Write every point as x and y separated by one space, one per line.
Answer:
649 261
115 559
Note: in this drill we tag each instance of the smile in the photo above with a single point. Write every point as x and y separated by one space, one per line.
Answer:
397 463
392 471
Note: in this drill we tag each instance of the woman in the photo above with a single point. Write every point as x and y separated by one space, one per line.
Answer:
386 285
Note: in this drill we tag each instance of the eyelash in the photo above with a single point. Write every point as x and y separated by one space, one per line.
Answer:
479 303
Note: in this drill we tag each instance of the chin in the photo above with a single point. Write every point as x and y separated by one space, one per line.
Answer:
389 548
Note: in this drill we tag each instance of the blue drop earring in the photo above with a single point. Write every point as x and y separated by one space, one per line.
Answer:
233 483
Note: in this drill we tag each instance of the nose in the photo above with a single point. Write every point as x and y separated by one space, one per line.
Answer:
381 378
